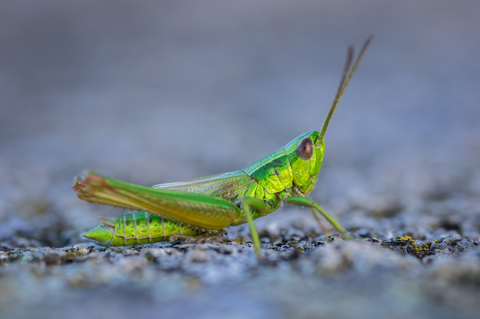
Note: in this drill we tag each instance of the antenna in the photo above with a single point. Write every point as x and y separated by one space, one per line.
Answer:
347 75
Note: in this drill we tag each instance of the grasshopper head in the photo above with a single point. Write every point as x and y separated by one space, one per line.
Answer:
305 154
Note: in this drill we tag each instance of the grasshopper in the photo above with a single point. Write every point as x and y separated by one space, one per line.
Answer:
199 209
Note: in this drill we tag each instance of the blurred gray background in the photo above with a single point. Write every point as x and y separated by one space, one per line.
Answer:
161 91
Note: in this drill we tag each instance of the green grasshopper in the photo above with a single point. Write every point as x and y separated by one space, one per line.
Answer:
199 209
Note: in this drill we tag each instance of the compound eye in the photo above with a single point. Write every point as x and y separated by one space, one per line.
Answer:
305 149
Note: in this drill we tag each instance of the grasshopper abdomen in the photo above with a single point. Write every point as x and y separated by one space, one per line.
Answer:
137 229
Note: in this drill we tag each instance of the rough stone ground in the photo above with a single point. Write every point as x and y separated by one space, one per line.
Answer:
159 92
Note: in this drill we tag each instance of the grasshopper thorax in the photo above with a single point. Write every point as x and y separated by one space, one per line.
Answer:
305 155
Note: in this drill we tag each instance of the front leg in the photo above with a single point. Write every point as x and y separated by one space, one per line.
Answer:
251 202
308 202
316 215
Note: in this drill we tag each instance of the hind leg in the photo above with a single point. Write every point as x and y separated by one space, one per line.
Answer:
213 237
